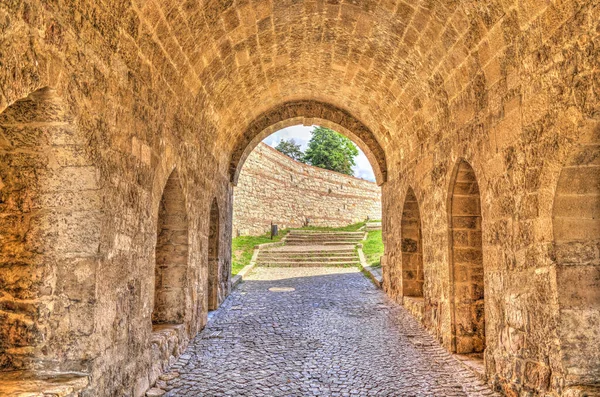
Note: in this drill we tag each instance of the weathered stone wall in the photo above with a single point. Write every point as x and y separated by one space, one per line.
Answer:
101 101
516 108
274 188
93 121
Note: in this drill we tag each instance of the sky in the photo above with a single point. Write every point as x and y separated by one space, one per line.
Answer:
301 134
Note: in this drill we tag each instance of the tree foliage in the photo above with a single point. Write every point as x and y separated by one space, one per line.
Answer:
290 148
331 150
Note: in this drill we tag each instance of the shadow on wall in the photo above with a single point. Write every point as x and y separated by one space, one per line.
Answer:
214 292
467 288
576 225
171 255
49 237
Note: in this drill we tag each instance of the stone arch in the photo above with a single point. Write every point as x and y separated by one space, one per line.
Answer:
50 222
309 113
214 256
576 229
171 254
466 261
411 247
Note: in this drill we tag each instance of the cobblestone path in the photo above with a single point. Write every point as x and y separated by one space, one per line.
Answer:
335 334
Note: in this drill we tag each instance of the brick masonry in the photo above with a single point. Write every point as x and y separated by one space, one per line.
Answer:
275 188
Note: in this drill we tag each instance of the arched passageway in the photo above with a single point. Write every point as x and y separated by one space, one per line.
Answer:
213 256
171 255
467 270
412 247
576 226
509 84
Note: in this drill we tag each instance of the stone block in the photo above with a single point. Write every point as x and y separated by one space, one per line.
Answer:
579 286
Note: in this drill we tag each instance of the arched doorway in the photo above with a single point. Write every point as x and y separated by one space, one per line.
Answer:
171 255
308 112
576 226
467 262
412 247
213 257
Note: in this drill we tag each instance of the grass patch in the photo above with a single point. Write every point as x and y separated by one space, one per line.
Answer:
373 248
350 228
242 249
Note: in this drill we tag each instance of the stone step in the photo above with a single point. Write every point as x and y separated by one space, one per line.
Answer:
358 234
308 252
313 249
328 238
316 254
308 259
321 242
316 233
298 255
310 264
341 241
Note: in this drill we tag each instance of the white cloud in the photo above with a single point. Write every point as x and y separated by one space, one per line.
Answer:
301 134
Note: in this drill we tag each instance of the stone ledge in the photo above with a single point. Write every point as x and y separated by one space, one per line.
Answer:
474 363
28 384
267 245
168 341
374 274
416 306
238 278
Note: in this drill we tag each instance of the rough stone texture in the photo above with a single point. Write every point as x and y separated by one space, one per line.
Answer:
68 385
139 88
411 275
49 236
316 332
274 188
576 225
467 263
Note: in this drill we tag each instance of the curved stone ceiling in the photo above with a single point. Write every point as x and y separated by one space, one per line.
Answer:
379 60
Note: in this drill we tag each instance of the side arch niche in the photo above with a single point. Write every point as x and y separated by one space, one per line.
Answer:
214 257
171 255
466 252
412 248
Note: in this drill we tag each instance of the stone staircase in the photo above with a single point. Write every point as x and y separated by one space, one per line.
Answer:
313 249
309 237
370 226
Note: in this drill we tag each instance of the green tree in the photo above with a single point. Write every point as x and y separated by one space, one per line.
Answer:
331 150
290 148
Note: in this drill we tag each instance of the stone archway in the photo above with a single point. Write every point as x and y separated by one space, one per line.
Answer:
213 256
466 256
576 227
171 255
309 113
412 247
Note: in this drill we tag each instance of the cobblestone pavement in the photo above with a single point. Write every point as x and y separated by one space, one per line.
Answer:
335 334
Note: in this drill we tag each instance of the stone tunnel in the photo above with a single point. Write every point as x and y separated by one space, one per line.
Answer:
124 125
